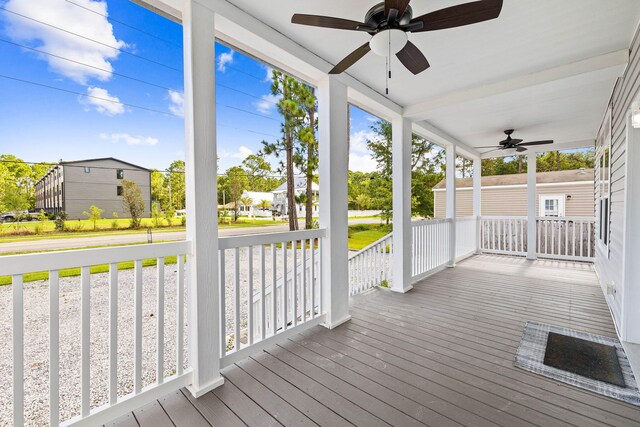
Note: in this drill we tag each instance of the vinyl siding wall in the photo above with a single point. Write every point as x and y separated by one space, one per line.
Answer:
609 262
99 188
512 201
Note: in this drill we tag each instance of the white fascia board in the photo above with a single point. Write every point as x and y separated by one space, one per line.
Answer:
443 139
562 146
615 62
245 32
543 184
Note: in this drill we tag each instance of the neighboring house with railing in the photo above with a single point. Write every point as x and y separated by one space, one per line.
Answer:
73 187
281 203
559 193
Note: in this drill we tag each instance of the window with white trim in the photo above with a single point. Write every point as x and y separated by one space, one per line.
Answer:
603 179
552 205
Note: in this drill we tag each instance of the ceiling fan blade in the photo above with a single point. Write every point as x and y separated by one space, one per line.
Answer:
462 14
351 59
521 149
412 58
325 21
535 143
490 146
399 5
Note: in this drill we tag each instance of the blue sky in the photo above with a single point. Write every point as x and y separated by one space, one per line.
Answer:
38 123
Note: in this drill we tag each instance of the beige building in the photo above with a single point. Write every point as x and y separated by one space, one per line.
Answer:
73 187
561 193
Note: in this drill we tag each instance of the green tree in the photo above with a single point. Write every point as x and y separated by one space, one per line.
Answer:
94 214
175 184
363 201
264 204
247 202
259 174
306 155
132 202
289 106
160 189
236 183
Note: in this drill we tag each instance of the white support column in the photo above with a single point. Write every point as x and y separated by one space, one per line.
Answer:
201 196
451 200
333 173
532 235
630 330
477 199
401 173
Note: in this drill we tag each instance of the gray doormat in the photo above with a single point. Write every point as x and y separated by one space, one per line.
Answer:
531 354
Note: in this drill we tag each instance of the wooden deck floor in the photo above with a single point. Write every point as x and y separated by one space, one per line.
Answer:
440 355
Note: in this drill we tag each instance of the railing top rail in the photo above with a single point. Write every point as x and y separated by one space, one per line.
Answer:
265 239
369 246
490 217
418 222
29 263
566 218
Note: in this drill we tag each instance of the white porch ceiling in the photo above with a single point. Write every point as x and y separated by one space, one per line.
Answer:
532 45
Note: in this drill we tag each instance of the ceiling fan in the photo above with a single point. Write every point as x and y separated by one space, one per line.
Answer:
389 22
513 143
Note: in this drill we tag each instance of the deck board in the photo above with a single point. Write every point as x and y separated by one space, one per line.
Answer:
439 355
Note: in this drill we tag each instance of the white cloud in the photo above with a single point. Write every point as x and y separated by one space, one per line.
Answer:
361 163
225 59
63 44
242 153
176 103
360 157
267 103
128 139
268 77
103 102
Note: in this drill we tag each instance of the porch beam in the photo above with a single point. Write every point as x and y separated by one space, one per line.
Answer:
611 64
451 201
333 129
401 134
201 197
477 199
531 206
443 139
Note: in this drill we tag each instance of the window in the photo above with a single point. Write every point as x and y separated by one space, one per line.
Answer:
552 205
120 173
119 191
87 169
603 179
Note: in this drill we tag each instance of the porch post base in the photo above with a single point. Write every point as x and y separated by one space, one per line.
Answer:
201 391
403 290
332 325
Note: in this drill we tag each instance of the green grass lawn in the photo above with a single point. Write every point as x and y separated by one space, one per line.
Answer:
36 230
360 239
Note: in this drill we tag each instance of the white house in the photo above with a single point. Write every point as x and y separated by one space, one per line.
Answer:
281 203
261 204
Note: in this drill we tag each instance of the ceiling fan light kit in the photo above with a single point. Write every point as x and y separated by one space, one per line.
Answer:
387 42
389 22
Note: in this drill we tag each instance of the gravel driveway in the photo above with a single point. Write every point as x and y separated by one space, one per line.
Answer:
36 337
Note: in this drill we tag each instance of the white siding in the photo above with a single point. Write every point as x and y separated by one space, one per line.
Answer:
609 266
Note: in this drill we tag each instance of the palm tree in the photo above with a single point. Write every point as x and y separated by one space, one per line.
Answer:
264 205
247 202
362 201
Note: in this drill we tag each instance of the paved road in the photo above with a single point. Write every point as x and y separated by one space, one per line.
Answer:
81 242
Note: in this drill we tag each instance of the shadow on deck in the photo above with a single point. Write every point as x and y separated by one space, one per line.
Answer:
439 355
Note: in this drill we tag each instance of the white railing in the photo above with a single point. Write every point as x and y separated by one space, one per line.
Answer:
431 246
505 235
97 353
371 266
466 236
567 238
570 238
251 267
